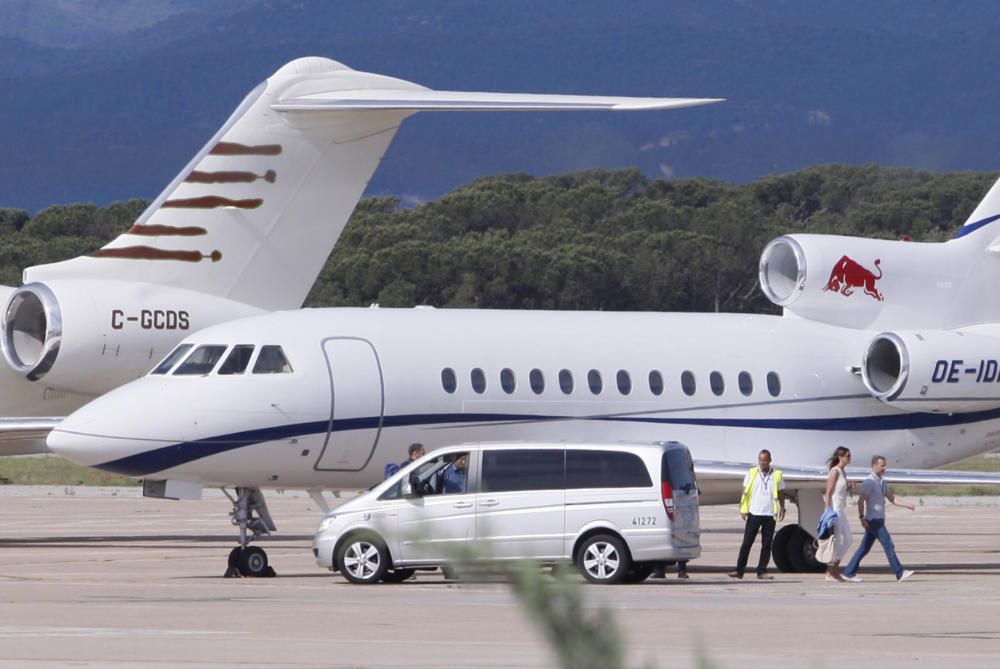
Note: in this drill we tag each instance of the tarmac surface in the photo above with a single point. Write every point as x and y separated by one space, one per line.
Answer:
104 578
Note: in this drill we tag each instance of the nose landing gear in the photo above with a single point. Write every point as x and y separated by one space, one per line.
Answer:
250 514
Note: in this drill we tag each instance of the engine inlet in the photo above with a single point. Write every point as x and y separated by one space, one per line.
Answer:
31 330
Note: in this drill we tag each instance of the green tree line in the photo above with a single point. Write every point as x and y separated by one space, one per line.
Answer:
611 240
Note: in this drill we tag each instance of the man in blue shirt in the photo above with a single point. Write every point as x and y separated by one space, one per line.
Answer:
871 507
456 475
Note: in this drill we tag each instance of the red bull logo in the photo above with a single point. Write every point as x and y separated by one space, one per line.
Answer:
848 275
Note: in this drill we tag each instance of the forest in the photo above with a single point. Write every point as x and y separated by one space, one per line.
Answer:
596 239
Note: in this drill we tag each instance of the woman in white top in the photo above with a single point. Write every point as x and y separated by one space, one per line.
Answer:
835 496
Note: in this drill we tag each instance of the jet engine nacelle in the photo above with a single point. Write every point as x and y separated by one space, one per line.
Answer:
863 283
88 337
942 371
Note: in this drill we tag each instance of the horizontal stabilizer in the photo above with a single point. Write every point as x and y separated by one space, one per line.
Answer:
415 100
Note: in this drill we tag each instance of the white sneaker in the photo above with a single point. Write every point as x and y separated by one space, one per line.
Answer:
853 579
833 579
907 573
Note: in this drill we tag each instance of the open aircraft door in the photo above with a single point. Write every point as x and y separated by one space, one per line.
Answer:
356 402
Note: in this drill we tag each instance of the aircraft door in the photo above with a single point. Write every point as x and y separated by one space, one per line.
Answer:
356 403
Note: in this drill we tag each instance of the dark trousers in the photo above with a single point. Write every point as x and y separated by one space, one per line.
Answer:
765 524
875 532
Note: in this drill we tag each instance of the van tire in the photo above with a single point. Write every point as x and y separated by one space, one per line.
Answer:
363 559
603 559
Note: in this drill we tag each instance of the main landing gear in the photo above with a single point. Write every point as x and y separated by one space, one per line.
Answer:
794 550
250 514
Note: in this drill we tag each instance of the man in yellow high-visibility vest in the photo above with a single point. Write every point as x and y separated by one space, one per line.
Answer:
762 505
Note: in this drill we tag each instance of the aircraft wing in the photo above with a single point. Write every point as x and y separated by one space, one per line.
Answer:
25 436
721 480
414 100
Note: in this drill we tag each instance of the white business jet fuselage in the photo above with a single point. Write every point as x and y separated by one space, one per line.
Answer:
365 383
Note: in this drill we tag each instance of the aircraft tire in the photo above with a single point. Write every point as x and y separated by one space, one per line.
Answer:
801 551
253 562
779 549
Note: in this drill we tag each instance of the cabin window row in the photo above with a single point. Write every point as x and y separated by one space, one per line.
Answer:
595 382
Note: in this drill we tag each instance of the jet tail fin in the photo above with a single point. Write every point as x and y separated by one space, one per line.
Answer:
254 215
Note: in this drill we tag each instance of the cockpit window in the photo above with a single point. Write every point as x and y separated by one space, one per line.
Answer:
172 359
201 361
271 360
237 360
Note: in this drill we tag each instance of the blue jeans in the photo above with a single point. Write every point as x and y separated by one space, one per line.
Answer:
875 530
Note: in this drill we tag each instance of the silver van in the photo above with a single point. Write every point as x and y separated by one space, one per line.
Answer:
616 511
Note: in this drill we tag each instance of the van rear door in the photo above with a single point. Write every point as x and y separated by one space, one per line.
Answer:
680 496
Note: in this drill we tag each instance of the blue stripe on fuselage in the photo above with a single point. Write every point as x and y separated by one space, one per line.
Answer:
167 457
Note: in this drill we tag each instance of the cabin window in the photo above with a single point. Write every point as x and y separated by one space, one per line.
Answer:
201 361
271 360
172 359
595 381
688 384
717 383
656 382
237 360
507 380
745 382
478 380
448 380
537 381
566 381
773 384
624 382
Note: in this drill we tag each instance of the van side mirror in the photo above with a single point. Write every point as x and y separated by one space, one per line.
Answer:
415 486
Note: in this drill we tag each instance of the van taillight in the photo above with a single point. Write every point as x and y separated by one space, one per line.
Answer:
668 498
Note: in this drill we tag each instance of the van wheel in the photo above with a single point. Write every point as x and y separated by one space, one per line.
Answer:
363 560
603 559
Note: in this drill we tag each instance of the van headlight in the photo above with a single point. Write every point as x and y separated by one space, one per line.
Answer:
327 522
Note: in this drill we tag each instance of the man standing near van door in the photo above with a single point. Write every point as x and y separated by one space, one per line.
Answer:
762 505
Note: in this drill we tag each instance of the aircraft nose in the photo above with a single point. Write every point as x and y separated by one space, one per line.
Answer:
107 432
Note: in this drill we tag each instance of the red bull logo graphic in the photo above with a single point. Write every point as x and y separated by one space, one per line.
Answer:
848 275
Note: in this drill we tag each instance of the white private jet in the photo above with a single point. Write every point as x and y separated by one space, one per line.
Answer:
888 347
244 228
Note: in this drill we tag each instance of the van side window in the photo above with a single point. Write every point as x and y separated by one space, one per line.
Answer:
271 360
442 475
525 469
605 469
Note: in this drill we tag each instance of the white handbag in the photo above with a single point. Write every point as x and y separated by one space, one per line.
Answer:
826 549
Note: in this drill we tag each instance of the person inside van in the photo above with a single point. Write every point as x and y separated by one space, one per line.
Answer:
456 475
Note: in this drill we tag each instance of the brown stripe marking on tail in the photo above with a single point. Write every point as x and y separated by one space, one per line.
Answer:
234 149
212 202
229 177
149 253
166 230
